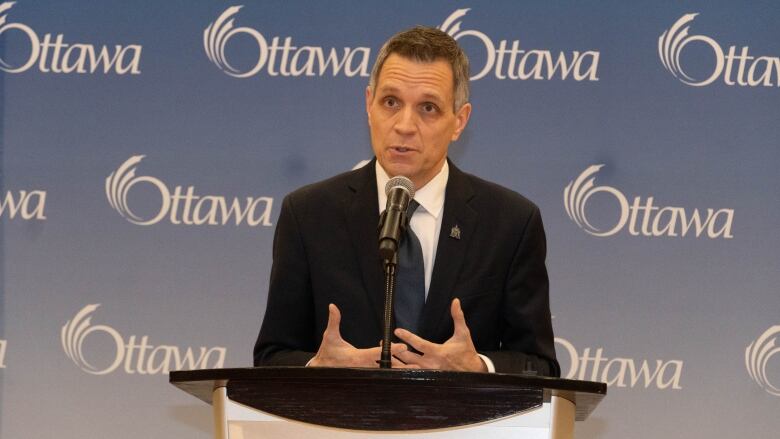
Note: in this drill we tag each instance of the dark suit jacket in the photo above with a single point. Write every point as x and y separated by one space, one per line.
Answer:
325 251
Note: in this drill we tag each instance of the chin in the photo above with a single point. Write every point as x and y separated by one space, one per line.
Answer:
394 168
395 171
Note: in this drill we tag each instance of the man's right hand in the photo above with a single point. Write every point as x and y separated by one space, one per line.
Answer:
336 352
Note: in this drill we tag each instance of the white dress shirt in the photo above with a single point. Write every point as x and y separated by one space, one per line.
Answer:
426 221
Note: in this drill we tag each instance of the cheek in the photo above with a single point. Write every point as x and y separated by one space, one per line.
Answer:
440 137
376 127
381 124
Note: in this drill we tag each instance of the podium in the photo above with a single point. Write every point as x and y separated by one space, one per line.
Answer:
282 402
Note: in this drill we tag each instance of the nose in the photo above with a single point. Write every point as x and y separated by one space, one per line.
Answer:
406 122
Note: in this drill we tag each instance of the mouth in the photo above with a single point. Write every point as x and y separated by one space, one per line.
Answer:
401 149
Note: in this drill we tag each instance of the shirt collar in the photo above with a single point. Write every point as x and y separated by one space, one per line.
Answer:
430 196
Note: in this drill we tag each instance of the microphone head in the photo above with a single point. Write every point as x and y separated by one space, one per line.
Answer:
402 182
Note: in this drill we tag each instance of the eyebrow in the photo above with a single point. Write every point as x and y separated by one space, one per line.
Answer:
394 90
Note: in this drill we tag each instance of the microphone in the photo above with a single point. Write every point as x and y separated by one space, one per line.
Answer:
399 190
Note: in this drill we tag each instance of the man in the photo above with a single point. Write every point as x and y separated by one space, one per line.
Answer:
486 306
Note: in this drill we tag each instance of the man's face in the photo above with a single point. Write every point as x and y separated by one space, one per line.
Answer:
411 117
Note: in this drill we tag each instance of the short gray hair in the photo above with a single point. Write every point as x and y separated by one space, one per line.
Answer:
427 44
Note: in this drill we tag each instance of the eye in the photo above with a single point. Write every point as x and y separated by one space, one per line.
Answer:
429 108
390 102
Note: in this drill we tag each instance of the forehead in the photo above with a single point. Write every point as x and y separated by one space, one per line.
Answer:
406 74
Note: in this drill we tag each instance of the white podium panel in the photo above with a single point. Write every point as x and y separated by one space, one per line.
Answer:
553 420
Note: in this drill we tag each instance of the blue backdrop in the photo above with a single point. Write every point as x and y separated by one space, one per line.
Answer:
145 148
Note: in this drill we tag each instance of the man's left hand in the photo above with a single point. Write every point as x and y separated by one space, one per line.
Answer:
457 353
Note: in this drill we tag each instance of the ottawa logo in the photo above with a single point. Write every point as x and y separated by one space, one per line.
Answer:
592 364
52 54
279 56
509 60
642 216
133 354
734 66
182 206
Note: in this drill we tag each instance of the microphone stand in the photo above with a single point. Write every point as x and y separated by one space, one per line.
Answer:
390 265
387 330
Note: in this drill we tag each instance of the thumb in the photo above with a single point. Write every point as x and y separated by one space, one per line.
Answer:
334 320
459 319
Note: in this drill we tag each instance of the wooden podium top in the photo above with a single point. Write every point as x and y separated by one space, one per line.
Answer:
387 399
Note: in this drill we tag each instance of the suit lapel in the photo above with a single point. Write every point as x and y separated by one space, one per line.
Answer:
450 252
362 220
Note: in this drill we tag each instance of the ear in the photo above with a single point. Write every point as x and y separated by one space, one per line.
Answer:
369 98
461 119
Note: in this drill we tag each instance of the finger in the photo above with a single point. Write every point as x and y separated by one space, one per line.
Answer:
420 344
458 319
396 348
409 357
393 345
334 320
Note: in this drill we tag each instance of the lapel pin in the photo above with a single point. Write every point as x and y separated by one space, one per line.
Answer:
455 232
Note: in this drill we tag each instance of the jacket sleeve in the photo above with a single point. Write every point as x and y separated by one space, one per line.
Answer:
287 336
526 327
